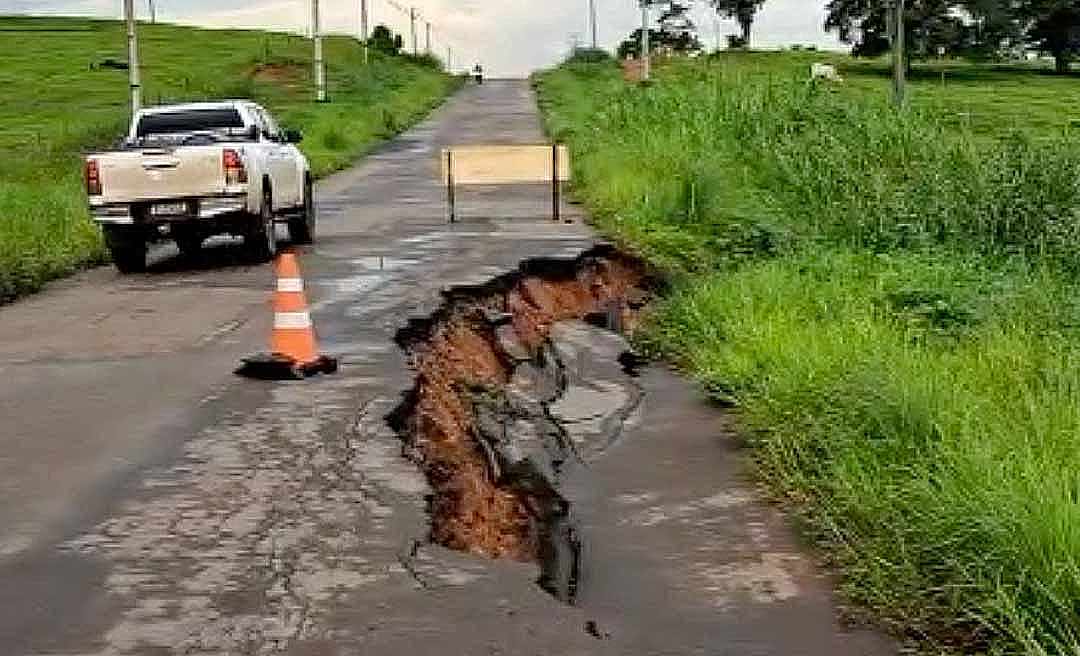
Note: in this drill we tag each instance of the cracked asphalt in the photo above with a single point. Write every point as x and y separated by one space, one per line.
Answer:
153 503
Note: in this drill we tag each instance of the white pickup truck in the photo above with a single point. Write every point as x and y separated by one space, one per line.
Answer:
188 172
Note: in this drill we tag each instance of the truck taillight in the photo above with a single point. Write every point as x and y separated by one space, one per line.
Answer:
93 178
235 173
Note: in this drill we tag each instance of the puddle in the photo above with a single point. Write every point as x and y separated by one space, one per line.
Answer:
355 285
383 263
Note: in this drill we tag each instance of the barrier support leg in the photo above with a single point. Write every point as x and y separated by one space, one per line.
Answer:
555 190
451 201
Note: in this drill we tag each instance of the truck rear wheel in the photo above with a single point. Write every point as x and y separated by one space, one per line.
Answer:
260 240
127 245
302 226
189 242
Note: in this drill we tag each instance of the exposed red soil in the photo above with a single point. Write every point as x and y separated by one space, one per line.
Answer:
277 73
472 510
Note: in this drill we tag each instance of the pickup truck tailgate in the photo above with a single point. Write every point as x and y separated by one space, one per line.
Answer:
152 174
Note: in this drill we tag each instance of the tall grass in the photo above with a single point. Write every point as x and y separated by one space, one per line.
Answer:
760 161
892 305
57 102
930 438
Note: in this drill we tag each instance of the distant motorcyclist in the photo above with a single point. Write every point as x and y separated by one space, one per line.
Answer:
478 74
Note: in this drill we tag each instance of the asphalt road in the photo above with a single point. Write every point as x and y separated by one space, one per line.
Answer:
154 503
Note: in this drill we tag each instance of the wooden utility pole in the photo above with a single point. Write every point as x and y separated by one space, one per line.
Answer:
320 68
646 61
899 58
427 40
153 12
364 27
592 23
133 57
412 27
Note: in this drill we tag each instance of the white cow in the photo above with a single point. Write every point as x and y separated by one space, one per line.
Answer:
825 72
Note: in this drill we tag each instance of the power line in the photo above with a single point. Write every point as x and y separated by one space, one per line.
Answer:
408 26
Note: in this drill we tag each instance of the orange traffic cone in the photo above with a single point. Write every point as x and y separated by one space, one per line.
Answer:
294 352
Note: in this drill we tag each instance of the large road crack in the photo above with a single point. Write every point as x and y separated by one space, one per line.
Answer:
479 420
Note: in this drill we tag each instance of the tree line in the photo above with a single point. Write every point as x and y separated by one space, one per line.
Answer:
971 28
978 29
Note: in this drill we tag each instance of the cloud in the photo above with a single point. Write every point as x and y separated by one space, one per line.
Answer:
103 8
510 37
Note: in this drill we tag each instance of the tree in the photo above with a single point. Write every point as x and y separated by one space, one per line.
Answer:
677 33
977 28
677 30
930 26
385 41
994 26
631 46
1054 28
742 11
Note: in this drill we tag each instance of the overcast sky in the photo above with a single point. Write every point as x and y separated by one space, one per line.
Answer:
510 37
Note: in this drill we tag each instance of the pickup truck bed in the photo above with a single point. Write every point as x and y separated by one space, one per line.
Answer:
188 172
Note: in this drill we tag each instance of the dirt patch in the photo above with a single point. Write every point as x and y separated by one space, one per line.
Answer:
282 74
485 501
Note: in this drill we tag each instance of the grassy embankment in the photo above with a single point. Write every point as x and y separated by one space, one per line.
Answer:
890 300
53 106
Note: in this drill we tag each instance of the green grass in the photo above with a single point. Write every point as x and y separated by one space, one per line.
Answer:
891 302
57 102
989 99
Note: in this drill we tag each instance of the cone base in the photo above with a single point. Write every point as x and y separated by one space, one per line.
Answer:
274 366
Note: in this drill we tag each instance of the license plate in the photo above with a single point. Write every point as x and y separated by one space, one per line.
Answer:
170 209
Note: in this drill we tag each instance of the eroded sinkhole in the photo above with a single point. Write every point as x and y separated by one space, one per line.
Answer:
478 421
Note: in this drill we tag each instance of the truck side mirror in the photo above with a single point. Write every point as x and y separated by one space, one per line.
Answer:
292 136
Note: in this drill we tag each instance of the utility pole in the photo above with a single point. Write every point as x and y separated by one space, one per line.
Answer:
133 57
899 59
320 68
592 23
449 59
364 27
427 42
412 27
153 12
646 62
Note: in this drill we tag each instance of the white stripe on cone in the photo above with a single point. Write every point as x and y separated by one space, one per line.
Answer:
290 285
292 320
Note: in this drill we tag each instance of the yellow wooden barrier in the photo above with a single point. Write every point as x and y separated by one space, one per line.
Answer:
505 164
